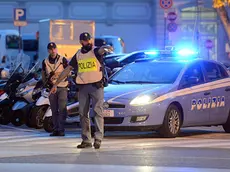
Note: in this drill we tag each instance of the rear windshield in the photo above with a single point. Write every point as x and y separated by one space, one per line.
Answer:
30 45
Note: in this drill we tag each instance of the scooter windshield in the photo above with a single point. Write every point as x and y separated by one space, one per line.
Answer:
14 80
31 73
18 71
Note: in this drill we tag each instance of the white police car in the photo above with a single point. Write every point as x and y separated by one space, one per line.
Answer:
165 95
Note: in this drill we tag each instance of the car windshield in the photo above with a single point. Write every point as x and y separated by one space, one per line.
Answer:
116 43
148 72
12 41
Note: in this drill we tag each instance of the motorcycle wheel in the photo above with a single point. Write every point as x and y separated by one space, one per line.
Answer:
5 115
37 116
17 118
48 124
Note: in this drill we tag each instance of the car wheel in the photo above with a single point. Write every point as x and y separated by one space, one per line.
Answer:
226 126
5 115
172 122
17 118
48 124
37 116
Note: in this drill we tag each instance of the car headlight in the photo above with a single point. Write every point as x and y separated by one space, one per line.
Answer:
143 100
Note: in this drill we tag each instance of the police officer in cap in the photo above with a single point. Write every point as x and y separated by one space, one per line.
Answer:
88 65
52 67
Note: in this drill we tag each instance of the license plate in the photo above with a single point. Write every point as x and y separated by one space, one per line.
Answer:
108 113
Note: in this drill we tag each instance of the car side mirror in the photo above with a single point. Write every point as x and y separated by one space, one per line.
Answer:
193 80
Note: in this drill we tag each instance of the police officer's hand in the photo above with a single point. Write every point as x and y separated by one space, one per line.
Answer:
53 90
105 49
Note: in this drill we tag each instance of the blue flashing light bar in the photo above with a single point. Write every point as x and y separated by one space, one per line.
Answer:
187 52
179 54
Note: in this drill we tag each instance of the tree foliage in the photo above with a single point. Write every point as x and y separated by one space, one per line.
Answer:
220 3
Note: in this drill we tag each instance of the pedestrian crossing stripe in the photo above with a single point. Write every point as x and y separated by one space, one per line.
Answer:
70 140
36 167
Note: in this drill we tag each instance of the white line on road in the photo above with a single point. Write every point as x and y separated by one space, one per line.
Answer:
19 129
12 167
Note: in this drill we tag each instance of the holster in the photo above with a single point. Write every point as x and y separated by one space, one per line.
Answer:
98 85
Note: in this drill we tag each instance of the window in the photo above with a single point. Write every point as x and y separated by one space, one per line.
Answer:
212 71
205 13
30 45
223 72
193 72
116 42
13 42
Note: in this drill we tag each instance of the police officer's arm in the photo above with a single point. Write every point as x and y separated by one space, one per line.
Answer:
103 49
63 75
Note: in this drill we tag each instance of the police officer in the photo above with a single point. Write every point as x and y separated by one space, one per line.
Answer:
52 67
88 65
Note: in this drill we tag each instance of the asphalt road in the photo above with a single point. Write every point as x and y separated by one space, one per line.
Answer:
195 150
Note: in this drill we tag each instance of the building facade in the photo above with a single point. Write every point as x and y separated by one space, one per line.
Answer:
139 22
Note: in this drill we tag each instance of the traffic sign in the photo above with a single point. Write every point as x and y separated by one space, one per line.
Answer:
166 4
20 17
171 16
172 27
208 44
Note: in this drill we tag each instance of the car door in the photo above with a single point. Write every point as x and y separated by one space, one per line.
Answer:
219 91
194 111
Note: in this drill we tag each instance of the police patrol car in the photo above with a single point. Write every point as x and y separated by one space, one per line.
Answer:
165 95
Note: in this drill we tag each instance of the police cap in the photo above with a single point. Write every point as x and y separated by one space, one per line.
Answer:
51 45
85 36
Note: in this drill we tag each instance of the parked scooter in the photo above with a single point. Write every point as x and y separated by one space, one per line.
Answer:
72 117
7 98
37 113
39 110
36 94
42 105
24 98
